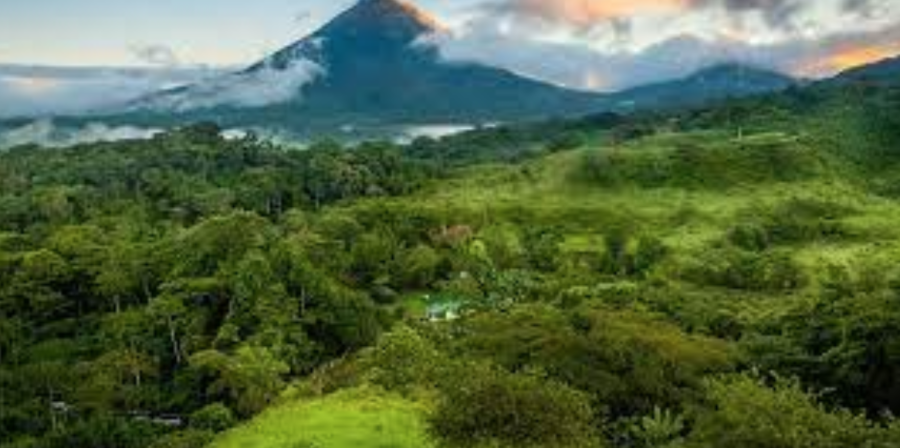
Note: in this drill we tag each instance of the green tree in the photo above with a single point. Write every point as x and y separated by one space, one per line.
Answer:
252 377
489 407
744 413
403 360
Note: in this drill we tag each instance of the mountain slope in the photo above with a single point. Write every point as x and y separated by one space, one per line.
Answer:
710 84
367 66
882 72
371 70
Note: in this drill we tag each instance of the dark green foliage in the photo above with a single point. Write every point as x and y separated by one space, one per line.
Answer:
189 438
625 254
542 247
725 164
489 407
145 278
215 418
845 341
795 221
771 271
626 362
747 414
403 360
104 433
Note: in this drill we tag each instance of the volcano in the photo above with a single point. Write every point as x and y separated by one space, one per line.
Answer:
375 67
371 65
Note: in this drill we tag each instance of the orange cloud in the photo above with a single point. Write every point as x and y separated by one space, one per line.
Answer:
854 57
32 85
848 57
588 12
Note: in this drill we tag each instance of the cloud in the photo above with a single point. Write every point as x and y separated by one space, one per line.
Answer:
581 13
847 50
159 55
54 91
303 17
261 87
587 14
864 8
39 91
776 13
576 65
46 133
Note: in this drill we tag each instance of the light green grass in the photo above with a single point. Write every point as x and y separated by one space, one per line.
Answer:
357 418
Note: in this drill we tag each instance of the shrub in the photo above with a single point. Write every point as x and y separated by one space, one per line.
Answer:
190 438
403 361
795 221
491 407
216 418
747 414
771 271
419 268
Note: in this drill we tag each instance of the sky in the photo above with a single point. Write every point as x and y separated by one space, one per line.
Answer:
588 44
212 32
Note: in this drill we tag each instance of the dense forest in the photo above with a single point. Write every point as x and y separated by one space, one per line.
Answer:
724 276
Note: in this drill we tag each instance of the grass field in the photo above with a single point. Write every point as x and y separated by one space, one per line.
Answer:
349 419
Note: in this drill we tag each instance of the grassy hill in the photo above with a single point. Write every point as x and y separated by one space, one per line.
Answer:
348 419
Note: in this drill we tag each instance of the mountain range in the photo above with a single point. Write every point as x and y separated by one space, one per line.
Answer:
374 66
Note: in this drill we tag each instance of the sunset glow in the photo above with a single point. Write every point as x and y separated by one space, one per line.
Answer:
34 85
589 12
853 57
845 58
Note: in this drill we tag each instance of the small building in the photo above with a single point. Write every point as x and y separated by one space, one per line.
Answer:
443 308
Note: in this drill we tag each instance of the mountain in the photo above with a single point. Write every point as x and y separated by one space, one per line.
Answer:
373 70
707 85
372 66
369 65
886 71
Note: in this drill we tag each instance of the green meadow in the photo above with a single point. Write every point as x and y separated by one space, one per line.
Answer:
347 419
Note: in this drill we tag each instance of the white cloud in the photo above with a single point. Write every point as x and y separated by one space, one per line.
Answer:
40 91
45 133
158 55
261 87
574 64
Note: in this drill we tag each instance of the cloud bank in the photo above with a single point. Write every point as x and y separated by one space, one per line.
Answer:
54 91
46 133
38 91
256 88
604 44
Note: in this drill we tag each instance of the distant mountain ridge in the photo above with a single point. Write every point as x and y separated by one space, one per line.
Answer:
730 80
886 71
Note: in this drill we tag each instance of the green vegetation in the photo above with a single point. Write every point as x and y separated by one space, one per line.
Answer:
719 277
347 419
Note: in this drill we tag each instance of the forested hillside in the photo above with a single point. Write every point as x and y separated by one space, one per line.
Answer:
726 276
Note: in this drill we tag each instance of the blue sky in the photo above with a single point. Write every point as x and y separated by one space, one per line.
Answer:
107 32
